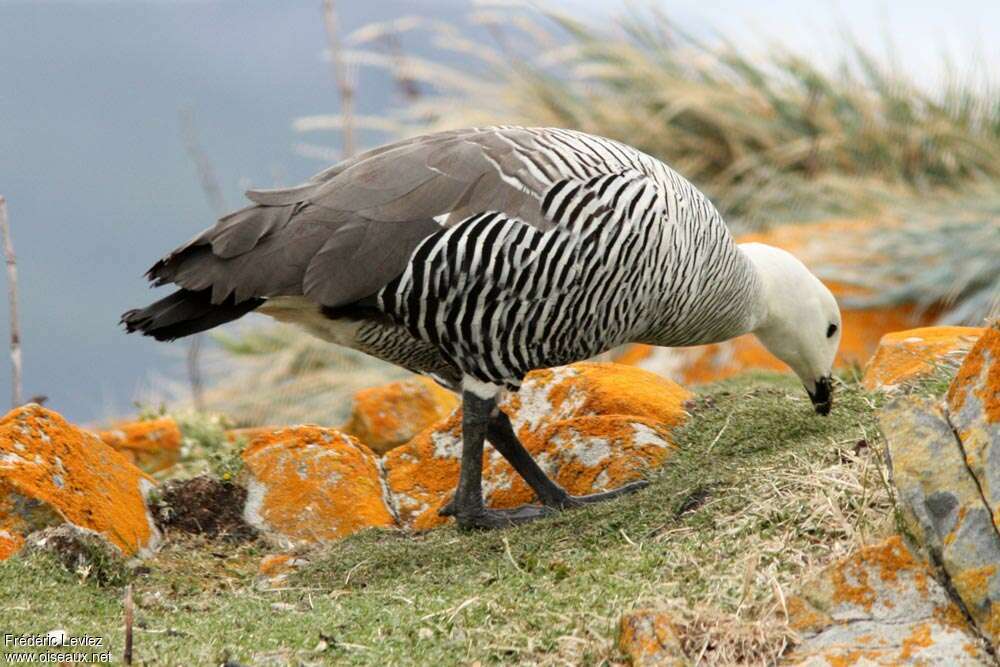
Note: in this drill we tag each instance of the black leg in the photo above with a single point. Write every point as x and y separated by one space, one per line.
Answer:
467 506
501 435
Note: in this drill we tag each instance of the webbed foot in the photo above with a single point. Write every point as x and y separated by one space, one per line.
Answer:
489 519
570 502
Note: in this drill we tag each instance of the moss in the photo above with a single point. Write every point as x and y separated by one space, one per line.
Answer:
207 448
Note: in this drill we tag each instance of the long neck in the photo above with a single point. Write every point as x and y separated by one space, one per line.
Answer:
718 295
770 266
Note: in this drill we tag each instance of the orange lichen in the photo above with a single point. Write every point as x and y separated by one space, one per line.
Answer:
876 585
903 356
919 639
615 389
860 594
423 473
848 658
971 649
633 355
311 484
985 351
274 564
648 638
588 454
390 415
949 615
152 445
247 435
973 583
889 557
991 622
60 471
804 618
11 527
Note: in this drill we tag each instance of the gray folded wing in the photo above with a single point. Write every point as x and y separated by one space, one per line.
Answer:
349 230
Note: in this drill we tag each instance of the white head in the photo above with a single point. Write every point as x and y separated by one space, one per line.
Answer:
798 320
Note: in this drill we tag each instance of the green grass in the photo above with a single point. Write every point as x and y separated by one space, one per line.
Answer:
760 493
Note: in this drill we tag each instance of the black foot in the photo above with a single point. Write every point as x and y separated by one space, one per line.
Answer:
487 519
570 502
567 501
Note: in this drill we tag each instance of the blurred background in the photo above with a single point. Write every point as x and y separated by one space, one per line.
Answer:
864 136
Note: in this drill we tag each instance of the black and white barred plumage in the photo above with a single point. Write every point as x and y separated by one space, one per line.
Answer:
483 253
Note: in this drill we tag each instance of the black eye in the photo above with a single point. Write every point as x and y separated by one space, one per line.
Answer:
832 329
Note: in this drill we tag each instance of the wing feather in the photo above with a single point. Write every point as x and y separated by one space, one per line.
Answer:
351 229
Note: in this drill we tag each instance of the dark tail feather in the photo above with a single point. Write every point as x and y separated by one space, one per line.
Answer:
185 312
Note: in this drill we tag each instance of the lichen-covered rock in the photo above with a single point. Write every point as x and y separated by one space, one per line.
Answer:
905 356
835 243
53 472
592 427
648 638
309 484
881 606
391 415
422 474
974 414
153 445
943 506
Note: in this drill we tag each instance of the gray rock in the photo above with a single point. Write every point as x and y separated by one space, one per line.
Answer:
943 506
881 606
974 414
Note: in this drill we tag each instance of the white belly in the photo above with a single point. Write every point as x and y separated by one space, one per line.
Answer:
306 314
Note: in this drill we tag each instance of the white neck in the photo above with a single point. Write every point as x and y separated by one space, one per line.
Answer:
769 264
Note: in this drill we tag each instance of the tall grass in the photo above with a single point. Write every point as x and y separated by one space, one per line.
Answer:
777 137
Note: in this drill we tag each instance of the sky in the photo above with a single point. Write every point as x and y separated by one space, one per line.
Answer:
99 184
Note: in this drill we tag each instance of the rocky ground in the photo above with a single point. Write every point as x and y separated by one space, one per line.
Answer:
767 533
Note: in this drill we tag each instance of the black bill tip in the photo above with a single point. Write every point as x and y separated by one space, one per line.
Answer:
822 396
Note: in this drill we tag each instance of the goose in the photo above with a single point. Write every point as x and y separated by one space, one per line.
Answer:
474 256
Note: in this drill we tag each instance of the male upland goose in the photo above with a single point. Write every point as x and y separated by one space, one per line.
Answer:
474 256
